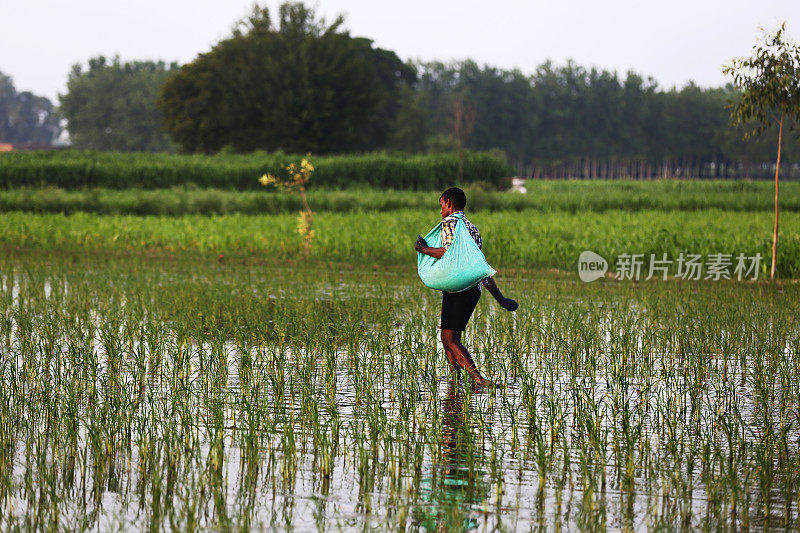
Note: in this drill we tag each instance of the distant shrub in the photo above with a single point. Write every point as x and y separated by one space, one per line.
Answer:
73 169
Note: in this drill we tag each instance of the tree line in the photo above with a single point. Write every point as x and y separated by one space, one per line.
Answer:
297 83
570 117
25 118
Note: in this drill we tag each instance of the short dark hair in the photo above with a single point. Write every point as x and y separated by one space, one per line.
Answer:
455 197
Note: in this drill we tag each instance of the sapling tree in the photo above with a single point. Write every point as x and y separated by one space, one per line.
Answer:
770 94
296 179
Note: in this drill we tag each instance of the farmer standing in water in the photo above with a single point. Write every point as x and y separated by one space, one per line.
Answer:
457 307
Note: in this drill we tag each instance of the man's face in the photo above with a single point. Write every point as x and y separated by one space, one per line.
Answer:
446 209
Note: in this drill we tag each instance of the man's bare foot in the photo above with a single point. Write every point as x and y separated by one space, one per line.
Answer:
482 384
509 304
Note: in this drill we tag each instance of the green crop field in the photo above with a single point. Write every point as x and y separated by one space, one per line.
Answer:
147 393
543 195
171 359
526 239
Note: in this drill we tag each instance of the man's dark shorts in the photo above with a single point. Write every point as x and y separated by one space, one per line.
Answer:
457 307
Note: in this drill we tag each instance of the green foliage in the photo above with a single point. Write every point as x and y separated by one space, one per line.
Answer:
409 131
26 118
73 169
299 85
769 83
544 196
568 113
111 105
520 239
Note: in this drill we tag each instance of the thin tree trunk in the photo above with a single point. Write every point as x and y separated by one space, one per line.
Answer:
777 171
310 221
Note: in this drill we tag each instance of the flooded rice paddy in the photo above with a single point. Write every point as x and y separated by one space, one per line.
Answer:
188 396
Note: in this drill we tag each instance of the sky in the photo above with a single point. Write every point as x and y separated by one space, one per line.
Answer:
673 41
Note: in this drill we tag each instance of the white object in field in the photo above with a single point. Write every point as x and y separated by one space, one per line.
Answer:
518 184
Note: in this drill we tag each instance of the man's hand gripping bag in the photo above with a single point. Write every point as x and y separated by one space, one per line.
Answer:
462 266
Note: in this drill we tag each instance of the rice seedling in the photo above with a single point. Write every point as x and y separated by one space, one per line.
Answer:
187 394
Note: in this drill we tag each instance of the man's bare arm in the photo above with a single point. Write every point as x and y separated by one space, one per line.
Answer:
422 247
433 252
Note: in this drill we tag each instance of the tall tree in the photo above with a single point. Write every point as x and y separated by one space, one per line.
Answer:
112 105
462 123
410 127
505 109
770 85
298 84
26 118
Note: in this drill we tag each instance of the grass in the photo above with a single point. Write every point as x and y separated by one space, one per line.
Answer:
196 395
543 196
526 239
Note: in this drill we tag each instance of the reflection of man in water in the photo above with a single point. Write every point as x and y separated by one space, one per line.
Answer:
454 489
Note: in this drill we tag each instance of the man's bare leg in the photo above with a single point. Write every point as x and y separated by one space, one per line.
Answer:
451 359
451 339
505 303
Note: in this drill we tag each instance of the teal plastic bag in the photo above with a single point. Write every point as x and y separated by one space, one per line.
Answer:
462 266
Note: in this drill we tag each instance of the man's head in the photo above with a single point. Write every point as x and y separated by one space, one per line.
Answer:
452 200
